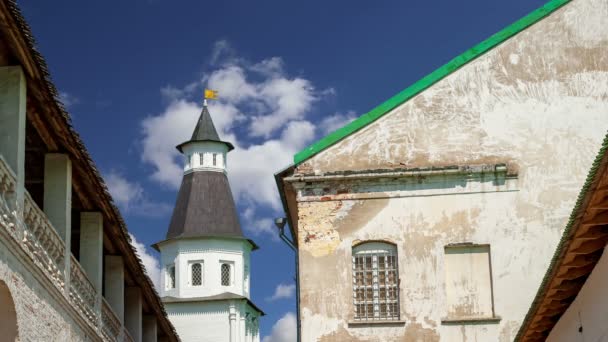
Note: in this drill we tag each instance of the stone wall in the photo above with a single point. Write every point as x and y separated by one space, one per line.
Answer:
42 314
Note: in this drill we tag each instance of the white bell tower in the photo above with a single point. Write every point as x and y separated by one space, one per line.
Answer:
205 257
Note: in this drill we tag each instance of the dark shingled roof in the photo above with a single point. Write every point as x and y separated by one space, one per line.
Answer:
204 207
205 131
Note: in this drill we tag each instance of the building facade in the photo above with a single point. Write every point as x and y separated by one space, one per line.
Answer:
434 216
205 257
68 271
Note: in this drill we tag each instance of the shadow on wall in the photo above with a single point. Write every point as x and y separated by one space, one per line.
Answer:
8 316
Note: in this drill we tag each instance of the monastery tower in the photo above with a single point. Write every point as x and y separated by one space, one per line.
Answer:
205 257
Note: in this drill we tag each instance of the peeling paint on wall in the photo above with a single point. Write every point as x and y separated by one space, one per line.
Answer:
537 103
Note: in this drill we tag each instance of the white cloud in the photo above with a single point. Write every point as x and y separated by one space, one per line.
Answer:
283 291
269 67
130 197
150 262
222 50
124 193
284 330
288 99
231 84
258 98
68 99
338 120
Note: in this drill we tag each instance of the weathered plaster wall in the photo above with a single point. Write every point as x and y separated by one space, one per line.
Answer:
539 103
589 310
40 317
535 93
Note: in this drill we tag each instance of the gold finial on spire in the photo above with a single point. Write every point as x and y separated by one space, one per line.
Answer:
210 94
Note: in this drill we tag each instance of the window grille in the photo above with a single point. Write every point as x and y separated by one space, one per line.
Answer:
375 282
200 159
197 274
214 159
171 277
225 275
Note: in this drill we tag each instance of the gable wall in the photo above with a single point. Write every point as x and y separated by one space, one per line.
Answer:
539 103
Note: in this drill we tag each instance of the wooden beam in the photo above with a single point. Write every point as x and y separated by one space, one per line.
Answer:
598 218
574 272
587 246
582 260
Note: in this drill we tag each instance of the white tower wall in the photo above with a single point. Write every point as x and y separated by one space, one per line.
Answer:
211 253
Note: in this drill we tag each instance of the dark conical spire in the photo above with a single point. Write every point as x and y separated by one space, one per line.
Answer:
205 131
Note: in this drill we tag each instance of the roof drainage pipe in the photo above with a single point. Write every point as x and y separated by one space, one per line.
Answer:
280 223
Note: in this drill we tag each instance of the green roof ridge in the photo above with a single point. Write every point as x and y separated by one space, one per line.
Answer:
429 80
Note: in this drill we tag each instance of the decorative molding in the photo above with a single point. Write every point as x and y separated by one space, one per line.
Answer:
372 184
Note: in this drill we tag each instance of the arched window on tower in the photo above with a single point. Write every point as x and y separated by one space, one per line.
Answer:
226 275
196 274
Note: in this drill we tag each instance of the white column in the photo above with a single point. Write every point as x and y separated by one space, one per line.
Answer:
58 193
115 285
12 123
58 202
133 312
242 325
233 322
91 247
149 328
91 250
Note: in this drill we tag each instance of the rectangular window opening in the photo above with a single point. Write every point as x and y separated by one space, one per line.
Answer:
468 281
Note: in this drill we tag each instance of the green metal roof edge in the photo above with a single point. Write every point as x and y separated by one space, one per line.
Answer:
566 236
429 80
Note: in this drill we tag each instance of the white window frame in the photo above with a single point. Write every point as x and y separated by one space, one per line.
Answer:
375 297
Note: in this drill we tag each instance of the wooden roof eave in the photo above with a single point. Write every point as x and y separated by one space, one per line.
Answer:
41 88
579 250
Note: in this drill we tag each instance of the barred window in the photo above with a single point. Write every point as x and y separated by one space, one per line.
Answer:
214 159
170 282
225 275
196 274
200 159
375 281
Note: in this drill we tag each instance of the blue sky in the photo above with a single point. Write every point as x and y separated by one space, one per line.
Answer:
132 73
